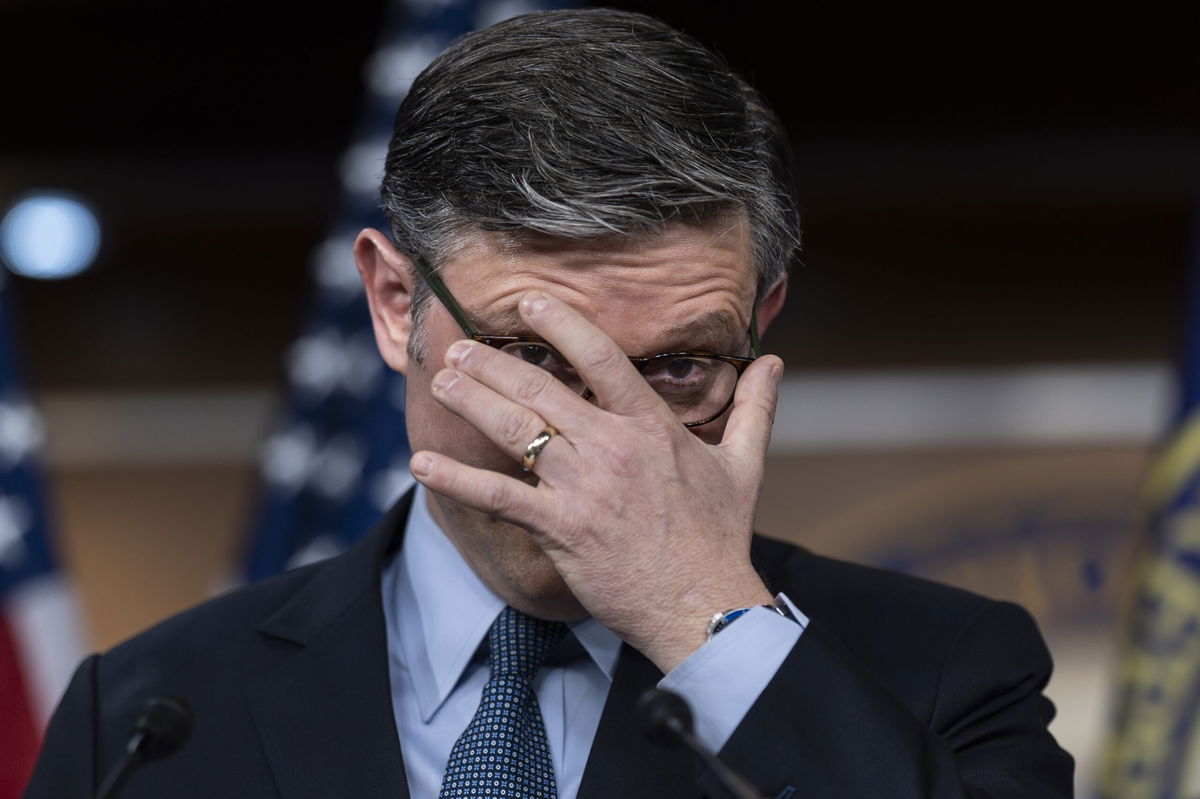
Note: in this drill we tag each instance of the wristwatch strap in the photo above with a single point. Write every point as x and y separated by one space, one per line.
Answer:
720 621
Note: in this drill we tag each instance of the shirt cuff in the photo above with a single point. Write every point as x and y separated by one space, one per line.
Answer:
723 678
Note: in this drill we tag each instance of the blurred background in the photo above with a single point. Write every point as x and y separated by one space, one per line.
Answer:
984 333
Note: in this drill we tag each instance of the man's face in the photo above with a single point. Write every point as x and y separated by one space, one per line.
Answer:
689 288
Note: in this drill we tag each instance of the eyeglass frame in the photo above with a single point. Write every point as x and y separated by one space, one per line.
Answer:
640 363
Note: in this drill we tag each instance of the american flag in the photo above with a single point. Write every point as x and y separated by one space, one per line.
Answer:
339 455
40 642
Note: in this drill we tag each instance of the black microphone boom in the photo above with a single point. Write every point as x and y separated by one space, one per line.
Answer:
161 729
666 720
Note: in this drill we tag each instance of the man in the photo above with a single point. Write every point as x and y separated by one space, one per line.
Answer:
591 223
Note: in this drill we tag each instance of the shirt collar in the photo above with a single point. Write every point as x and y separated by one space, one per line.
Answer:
443 612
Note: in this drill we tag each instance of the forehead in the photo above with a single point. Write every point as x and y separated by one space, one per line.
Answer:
682 277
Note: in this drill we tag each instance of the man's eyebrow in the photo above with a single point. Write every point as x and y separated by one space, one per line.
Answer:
500 322
712 330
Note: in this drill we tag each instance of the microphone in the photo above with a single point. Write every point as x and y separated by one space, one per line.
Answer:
161 729
666 720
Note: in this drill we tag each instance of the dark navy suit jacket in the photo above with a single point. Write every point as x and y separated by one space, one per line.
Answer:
898 688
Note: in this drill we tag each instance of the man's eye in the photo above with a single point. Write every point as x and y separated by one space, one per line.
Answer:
682 368
683 371
536 354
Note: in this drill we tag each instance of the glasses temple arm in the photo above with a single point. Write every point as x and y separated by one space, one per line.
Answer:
755 343
443 294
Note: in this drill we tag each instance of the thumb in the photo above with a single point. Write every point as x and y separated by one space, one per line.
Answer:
753 413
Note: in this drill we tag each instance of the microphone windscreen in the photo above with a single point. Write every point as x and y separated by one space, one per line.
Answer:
663 715
166 722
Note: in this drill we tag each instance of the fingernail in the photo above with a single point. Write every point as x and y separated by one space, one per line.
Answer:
458 350
534 303
777 373
421 465
444 379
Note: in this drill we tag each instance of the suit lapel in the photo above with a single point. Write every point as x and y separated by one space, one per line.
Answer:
325 717
622 762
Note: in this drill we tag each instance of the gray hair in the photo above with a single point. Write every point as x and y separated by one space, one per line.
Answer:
582 124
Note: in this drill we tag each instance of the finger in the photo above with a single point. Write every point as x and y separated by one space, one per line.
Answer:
510 426
753 413
481 489
523 383
600 362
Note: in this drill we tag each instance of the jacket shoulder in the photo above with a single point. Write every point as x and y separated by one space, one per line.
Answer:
852 590
912 632
225 618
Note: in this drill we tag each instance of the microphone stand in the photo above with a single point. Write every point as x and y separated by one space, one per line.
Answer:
667 720
161 729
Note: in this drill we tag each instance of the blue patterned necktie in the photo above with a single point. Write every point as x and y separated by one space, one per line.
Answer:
503 754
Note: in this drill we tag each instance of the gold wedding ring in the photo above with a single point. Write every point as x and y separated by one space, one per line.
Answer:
536 446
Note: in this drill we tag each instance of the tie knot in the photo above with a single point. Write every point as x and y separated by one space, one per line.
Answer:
520 644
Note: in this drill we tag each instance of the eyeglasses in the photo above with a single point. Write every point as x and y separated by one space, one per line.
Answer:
697 386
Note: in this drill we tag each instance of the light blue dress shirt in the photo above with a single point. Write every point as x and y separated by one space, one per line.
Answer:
438 613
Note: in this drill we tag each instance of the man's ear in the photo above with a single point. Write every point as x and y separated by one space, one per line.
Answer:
387 277
771 304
